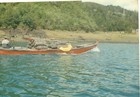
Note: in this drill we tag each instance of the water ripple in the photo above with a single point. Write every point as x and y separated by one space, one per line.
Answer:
111 73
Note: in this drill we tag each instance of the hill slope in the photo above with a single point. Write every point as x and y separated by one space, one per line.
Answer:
71 16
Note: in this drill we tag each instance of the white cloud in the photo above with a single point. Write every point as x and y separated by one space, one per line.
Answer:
127 4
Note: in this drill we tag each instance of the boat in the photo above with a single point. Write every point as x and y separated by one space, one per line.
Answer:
24 50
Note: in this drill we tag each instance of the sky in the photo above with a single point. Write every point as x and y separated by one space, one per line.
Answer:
127 4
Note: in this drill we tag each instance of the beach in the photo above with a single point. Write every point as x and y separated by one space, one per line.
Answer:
79 36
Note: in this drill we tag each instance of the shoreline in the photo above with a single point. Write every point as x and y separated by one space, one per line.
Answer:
79 36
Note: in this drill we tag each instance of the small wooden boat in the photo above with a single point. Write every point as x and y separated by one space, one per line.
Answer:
20 51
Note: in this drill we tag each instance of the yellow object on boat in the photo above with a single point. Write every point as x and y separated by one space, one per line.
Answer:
67 48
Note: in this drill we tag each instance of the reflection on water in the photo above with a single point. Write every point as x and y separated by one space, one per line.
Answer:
111 73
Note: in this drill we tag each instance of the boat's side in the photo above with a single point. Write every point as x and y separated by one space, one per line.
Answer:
51 51
81 50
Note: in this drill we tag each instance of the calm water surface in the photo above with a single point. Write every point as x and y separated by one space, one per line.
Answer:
113 72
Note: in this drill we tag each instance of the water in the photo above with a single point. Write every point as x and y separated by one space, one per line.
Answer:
113 72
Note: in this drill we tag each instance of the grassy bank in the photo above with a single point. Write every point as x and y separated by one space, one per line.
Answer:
114 37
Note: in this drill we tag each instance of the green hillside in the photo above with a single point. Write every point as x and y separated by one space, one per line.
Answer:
70 16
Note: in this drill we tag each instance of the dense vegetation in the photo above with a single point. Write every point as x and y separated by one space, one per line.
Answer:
71 16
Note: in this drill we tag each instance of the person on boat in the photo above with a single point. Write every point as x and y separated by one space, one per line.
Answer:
66 47
5 43
31 44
